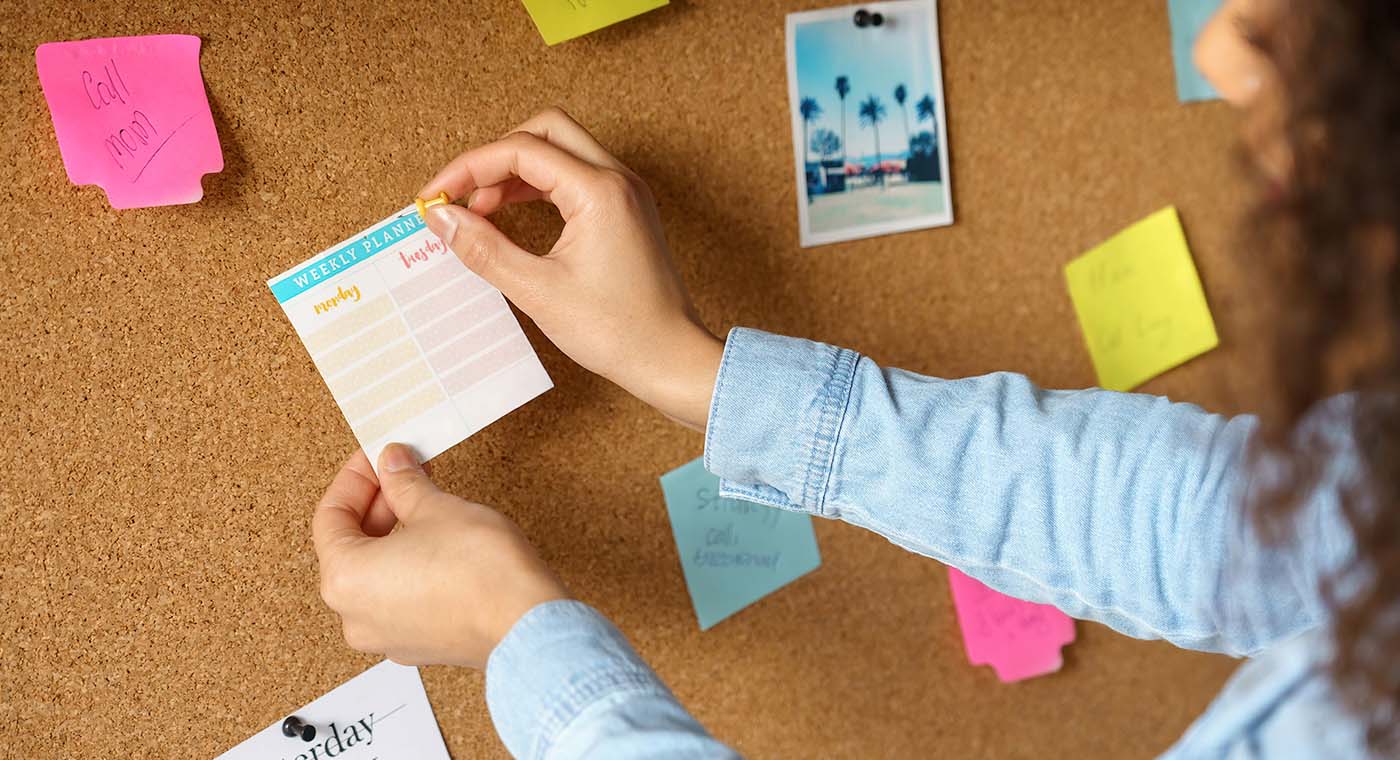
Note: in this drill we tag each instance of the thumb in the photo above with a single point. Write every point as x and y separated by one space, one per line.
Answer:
406 485
487 251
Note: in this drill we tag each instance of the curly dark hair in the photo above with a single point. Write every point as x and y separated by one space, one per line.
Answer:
1328 240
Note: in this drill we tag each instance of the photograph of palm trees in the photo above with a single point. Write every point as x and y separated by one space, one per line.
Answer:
868 126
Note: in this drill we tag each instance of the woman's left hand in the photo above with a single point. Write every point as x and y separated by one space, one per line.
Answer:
444 588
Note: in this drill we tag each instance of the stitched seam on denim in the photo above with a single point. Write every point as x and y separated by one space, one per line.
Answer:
852 359
729 488
836 394
815 441
558 713
947 559
720 379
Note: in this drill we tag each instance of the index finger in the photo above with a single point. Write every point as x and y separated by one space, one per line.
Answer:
555 126
341 511
563 178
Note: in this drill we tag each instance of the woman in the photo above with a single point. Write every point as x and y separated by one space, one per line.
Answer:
1275 538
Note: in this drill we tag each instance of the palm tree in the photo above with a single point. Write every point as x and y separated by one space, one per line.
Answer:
826 143
927 110
900 95
843 86
872 112
923 163
810 111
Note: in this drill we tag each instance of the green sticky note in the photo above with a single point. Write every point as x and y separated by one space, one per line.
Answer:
733 552
560 20
1140 303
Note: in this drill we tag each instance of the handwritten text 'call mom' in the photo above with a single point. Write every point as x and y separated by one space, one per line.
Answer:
106 89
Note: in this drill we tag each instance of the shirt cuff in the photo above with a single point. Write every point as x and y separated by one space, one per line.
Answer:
560 658
775 418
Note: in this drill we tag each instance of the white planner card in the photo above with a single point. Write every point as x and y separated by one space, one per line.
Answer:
415 348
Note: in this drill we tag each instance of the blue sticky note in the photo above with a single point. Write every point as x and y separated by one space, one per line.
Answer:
1188 18
733 552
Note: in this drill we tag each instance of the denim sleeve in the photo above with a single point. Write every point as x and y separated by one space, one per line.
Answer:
564 683
1120 508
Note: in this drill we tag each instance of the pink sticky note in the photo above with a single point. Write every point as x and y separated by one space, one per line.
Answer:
131 116
1018 639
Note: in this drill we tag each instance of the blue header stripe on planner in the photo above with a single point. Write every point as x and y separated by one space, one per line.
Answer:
354 252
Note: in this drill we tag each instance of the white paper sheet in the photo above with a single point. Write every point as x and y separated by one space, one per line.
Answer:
383 713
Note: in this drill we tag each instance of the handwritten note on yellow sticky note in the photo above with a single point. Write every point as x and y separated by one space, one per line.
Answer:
1140 303
560 20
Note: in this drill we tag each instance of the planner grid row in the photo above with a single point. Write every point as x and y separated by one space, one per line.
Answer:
410 348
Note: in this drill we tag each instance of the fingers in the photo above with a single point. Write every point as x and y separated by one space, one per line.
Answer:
379 519
342 509
488 200
406 485
515 272
559 128
561 177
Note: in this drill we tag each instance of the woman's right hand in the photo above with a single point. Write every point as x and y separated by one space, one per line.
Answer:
606 293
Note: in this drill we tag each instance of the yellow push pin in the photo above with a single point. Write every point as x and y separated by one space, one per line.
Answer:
423 205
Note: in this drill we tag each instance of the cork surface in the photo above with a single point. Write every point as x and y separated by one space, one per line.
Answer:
165 434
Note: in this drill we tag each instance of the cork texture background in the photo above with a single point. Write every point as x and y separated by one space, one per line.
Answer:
165 436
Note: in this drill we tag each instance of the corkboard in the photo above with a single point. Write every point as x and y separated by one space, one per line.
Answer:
166 435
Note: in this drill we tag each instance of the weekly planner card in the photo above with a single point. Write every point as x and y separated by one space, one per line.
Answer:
733 552
381 714
415 348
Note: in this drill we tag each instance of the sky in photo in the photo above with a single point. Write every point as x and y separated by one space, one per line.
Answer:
875 60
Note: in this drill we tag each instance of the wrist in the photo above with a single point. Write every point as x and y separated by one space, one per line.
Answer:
511 613
684 381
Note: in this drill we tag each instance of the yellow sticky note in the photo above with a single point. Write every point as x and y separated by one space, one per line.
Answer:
560 20
1140 303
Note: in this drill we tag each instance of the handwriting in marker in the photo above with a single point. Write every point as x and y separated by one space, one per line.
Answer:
1140 302
158 148
732 552
118 103
108 89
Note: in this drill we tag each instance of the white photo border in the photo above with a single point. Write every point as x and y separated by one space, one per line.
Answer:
891 9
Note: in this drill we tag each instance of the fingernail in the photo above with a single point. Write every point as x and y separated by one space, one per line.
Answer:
398 458
443 222
471 199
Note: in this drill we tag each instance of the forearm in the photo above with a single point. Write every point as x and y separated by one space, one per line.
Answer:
1120 508
564 683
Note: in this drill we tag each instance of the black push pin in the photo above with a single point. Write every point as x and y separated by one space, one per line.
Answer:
865 18
293 726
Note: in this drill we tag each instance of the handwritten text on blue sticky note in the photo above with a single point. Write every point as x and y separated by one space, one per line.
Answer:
1188 18
733 552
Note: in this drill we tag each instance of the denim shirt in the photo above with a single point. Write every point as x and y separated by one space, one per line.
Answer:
1119 508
